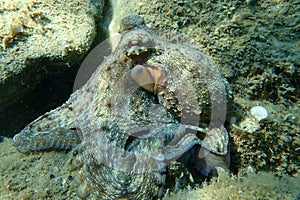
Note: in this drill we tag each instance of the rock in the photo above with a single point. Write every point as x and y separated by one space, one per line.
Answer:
42 44
41 38
244 185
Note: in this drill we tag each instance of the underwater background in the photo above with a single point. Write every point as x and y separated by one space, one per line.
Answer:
255 45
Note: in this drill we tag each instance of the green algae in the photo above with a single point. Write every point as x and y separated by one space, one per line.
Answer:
246 185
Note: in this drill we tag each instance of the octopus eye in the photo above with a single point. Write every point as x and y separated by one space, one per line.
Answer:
136 49
148 77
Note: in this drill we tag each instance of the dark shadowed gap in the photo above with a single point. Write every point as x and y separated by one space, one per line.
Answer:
51 92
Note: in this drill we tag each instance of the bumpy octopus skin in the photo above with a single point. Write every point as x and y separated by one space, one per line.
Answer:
126 141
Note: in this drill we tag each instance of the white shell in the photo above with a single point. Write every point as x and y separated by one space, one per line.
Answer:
259 113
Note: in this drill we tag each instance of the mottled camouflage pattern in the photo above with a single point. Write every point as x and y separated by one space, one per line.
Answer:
126 143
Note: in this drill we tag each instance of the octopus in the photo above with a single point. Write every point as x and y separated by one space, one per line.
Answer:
150 102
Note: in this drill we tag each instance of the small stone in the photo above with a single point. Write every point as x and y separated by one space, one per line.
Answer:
259 112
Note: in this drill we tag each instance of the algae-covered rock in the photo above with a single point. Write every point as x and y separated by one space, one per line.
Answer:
246 185
40 38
